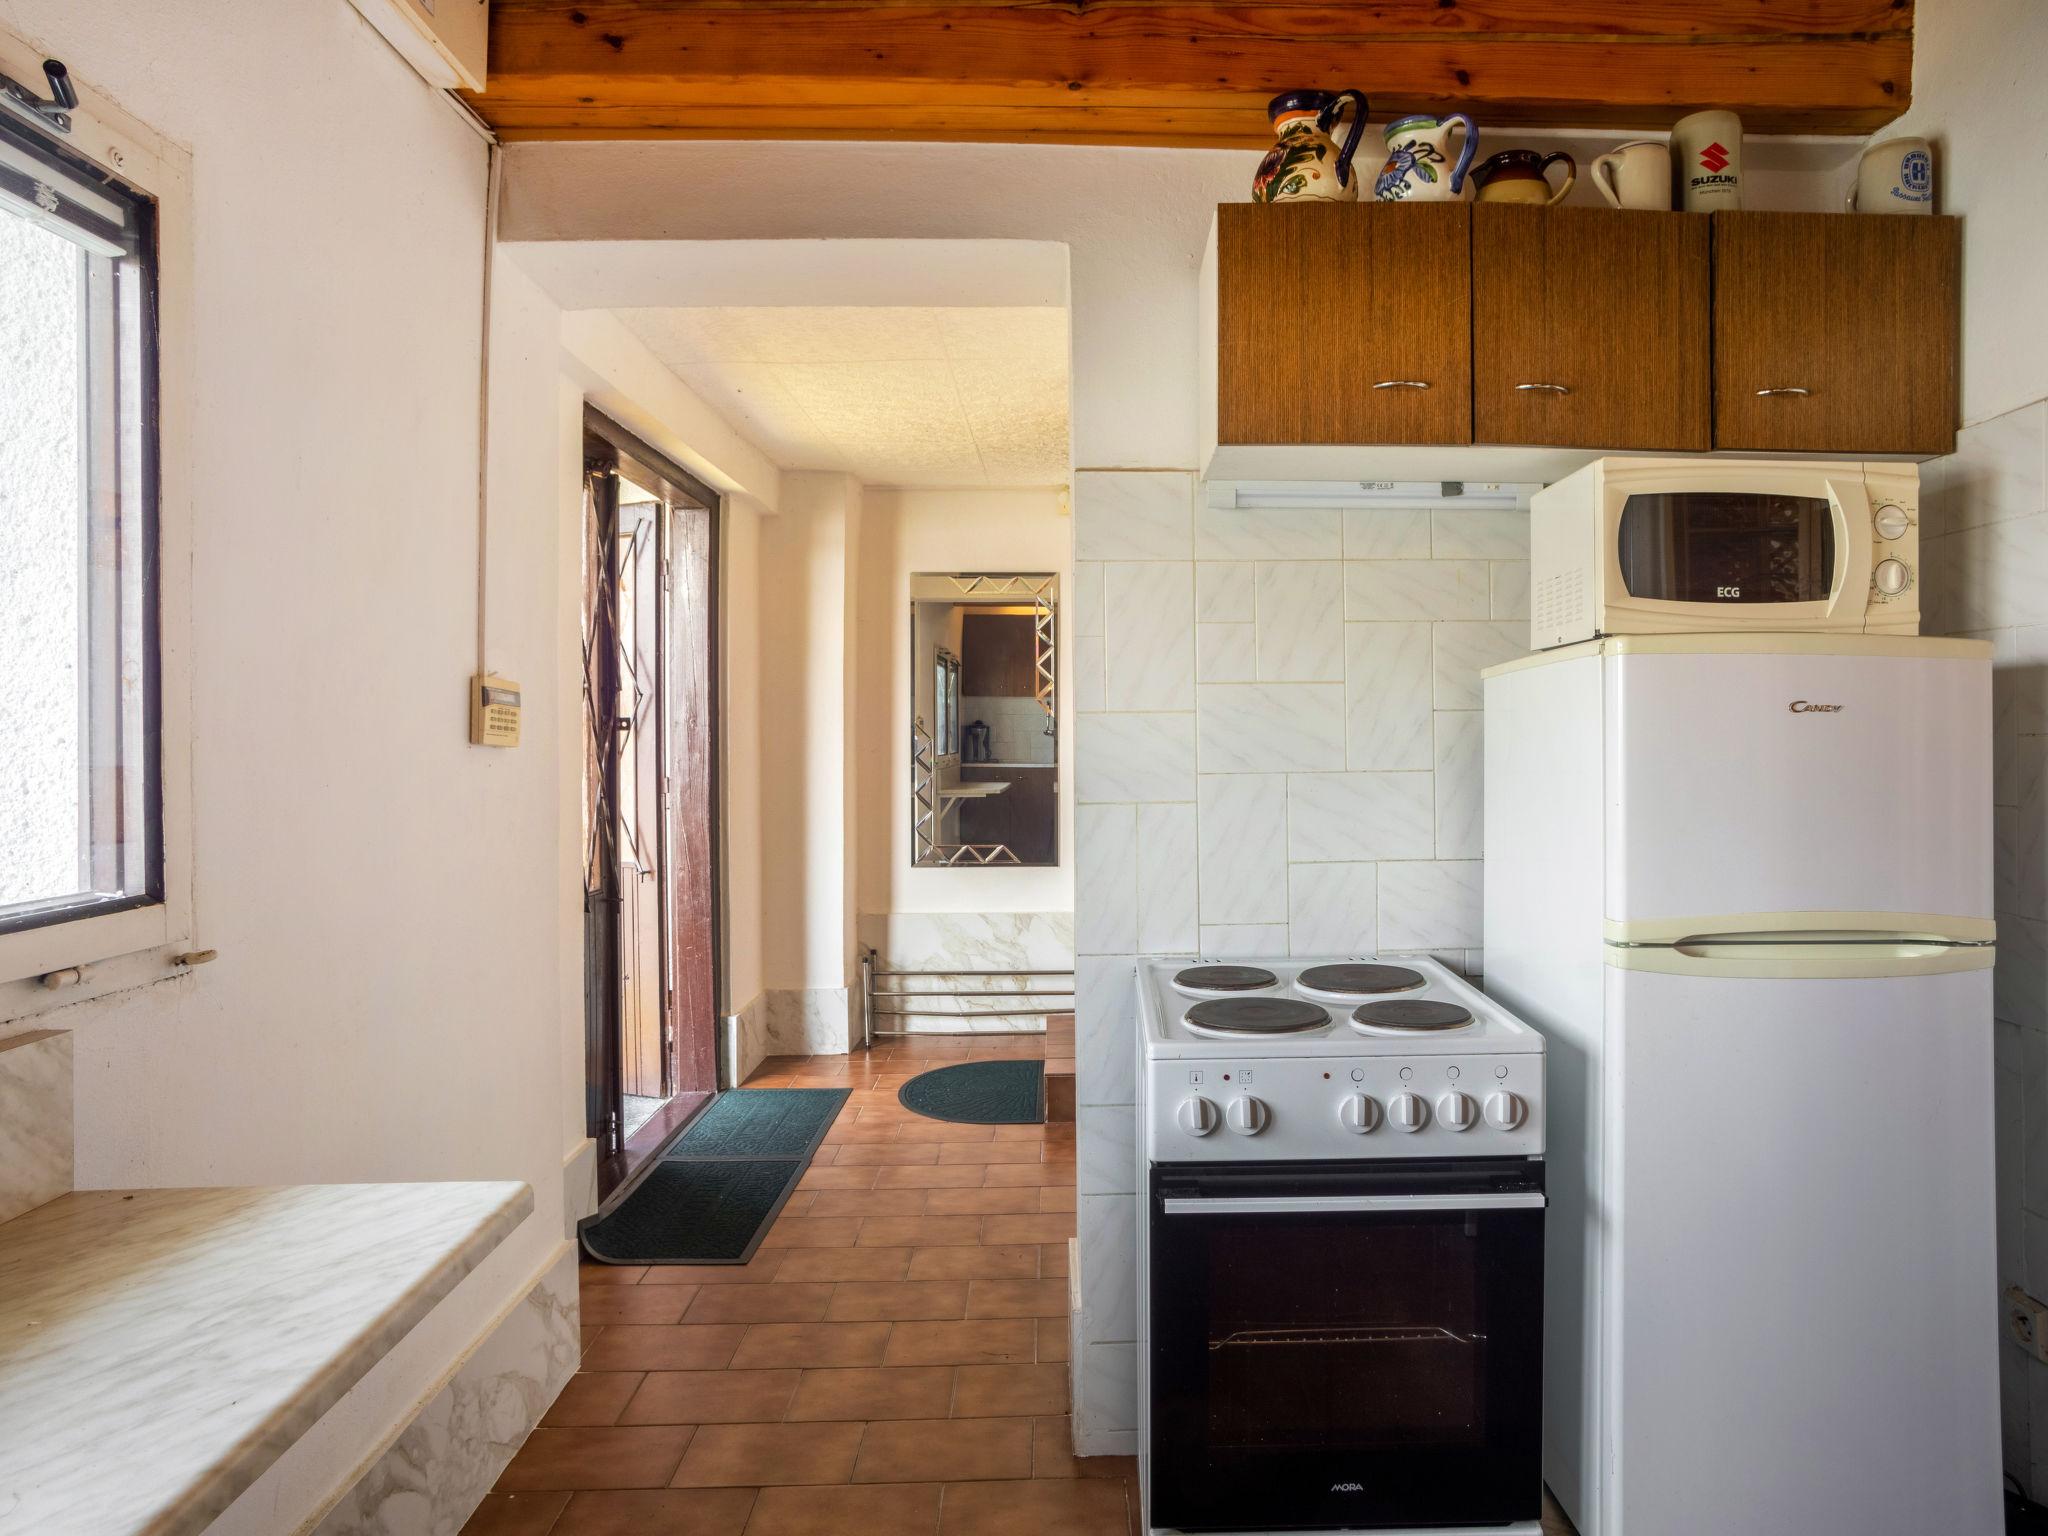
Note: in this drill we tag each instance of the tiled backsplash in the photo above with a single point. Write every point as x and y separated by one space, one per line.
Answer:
1984 542
1278 751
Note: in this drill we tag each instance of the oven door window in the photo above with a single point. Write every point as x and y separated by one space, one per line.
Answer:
1727 547
1343 1368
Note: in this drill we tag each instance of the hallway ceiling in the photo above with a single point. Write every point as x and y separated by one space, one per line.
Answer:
1167 72
894 396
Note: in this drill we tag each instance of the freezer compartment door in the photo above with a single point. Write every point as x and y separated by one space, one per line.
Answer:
1801 1263
1797 784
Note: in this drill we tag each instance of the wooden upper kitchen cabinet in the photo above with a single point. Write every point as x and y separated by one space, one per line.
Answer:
1835 333
1342 323
1590 328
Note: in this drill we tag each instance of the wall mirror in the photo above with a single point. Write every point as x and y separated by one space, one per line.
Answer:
984 730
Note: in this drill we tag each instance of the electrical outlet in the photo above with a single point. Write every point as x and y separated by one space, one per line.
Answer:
2027 1321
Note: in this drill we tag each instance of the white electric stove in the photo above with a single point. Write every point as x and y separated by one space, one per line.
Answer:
1340 1291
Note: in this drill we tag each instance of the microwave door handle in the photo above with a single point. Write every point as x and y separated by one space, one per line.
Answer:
1318 1205
1849 505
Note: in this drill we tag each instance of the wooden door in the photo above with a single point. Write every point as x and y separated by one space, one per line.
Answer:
689 747
1835 333
1590 328
1343 323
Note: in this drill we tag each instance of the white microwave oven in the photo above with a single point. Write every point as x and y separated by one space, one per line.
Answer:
1657 546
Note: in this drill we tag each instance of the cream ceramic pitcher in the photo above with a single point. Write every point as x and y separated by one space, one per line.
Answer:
1419 168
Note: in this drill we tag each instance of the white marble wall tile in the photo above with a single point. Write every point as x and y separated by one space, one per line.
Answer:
1479 535
1134 758
35 1120
1106 879
1350 817
2033 1125
1387 696
981 941
1167 863
1300 621
1999 469
1107 1401
1510 589
1226 940
1994 576
1224 592
1460 784
1243 848
1416 589
1462 651
1109 1281
1133 515
1087 673
1150 659
1268 727
1429 905
1105 1029
1085 605
1106 1148
1332 909
1385 533
1305 534
809 1021
2019 976
1226 653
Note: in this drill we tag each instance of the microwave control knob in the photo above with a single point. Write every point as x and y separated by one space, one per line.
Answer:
1891 522
1196 1116
1890 577
1247 1116
1408 1112
1457 1111
1505 1111
1359 1113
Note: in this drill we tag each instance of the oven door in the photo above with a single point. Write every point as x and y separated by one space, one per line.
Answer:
1349 1345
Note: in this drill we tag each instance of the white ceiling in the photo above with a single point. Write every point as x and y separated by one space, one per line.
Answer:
894 396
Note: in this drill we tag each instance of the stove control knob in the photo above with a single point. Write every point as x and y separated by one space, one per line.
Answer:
1505 1111
1360 1113
1196 1116
1247 1116
1457 1111
1408 1112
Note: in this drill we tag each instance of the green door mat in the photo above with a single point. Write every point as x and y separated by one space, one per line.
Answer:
979 1093
713 1194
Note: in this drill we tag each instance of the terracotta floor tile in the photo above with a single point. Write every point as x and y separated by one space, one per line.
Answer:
637 1303
896 1300
659 1512
845 1264
711 1397
919 1231
814 1344
995 1174
984 1391
957 1450
587 1336
803 1232
1019 1133
1047 1227
1083 1507
1052 1260
988 1152
822 1178
618 1457
965 1262
919 1129
877 1509
591 1398
1022 1200
869 1202
516 1514
758 1270
631 1347
988 1341
588 1274
889 1152
735 1455
1052 1455
798 1204
952 1176
784 1301
1055 1339
874 1392
1056 1197
1017 1298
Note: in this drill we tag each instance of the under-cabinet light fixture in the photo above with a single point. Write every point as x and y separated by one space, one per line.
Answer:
1283 495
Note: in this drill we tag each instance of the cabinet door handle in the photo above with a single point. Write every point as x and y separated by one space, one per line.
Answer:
1402 384
1548 389
1785 389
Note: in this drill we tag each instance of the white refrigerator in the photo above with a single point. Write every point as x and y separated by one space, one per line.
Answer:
1743 885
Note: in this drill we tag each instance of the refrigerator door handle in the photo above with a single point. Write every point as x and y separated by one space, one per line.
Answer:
1817 954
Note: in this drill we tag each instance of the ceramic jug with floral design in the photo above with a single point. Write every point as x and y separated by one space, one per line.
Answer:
1305 165
1419 168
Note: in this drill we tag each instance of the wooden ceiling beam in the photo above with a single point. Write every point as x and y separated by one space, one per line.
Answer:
1164 72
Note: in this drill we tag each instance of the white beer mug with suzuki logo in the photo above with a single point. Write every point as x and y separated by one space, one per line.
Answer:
1708 149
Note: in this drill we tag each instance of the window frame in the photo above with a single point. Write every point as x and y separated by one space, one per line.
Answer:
129 941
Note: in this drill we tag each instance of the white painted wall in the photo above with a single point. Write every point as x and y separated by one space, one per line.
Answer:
740 557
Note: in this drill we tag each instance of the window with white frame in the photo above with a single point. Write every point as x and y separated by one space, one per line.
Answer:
80 808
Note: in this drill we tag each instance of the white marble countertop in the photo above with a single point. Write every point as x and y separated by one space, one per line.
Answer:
160 1348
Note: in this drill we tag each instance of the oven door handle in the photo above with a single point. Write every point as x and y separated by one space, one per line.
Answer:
1309 1205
